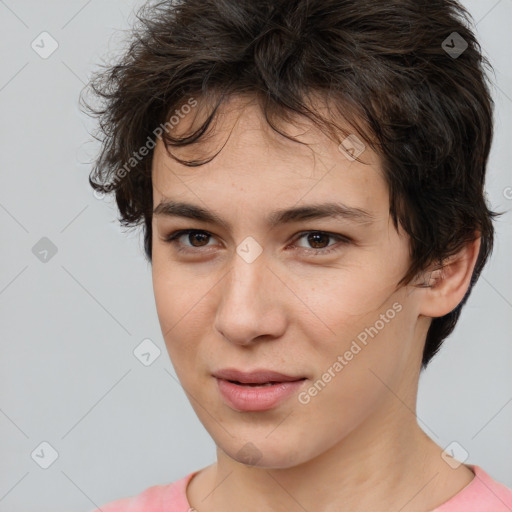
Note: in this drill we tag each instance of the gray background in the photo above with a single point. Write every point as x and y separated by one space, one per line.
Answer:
69 325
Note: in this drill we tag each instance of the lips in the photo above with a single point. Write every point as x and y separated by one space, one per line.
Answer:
256 377
256 391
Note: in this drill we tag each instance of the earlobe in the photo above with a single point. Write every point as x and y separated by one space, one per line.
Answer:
445 287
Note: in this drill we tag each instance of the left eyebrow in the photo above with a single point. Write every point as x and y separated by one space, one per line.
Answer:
320 211
277 217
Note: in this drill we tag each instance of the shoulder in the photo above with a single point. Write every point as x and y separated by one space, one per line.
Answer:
157 498
482 494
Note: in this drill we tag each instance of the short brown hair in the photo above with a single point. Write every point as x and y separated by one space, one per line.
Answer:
426 111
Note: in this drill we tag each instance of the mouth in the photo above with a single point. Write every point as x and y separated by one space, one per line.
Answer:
255 377
259 385
256 391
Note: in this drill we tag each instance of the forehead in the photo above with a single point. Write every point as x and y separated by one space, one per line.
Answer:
252 157
242 114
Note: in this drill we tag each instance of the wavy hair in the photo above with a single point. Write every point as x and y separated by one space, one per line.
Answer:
385 65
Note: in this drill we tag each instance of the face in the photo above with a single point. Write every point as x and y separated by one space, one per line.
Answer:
313 297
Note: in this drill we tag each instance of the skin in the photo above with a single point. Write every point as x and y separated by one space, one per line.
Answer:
357 445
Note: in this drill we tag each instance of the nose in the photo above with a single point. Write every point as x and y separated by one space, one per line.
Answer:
250 308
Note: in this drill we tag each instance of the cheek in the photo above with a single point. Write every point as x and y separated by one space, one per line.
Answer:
353 377
344 403
178 291
361 324
343 302
180 306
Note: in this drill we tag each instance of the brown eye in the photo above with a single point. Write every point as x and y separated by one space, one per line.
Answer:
195 237
198 236
315 239
319 242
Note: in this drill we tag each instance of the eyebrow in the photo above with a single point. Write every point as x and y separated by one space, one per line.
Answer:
284 216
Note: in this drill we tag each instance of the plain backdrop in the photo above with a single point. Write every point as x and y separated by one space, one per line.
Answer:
76 296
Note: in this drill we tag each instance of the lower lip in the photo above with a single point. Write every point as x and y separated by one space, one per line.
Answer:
249 398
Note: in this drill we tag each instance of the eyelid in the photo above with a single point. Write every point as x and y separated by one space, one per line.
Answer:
342 239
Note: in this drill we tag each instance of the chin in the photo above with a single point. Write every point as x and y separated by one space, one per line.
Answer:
265 454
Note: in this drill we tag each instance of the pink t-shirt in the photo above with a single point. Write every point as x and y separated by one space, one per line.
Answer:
482 494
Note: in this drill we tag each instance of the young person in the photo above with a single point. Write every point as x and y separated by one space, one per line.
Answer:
310 175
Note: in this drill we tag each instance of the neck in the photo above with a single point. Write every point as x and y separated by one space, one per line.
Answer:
370 469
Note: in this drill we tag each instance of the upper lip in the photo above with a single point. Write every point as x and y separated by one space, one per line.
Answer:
255 376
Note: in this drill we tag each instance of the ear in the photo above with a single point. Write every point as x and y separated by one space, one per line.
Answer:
446 286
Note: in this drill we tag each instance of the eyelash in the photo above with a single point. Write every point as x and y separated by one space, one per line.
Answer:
172 239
